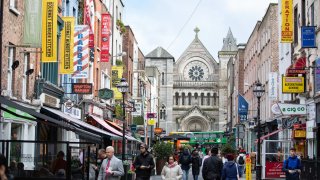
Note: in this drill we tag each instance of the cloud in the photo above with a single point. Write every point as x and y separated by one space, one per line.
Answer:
157 23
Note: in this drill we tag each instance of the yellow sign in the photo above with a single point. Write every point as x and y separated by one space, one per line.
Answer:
117 72
248 168
300 134
49 30
287 21
67 43
151 122
292 84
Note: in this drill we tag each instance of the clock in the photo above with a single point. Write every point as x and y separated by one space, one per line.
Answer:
196 71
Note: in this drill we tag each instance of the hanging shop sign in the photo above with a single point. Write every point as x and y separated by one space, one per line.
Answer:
137 106
151 122
308 37
67 43
49 100
317 75
116 72
105 37
81 52
81 88
289 109
289 122
32 23
287 21
292 84
105 93
310 125
299 133
49 30
242 108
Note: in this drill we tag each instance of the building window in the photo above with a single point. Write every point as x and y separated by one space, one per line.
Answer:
214 99
303 12
196 96
98 34
14 7
183 98
67 7
10 71
312 14
177 98
208 99
25 80
162 78
74 12
202 98
189 98
295 25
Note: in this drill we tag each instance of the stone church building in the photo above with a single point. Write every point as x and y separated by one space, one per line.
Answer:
193 88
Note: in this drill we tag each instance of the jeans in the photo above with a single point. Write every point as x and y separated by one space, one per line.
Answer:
185 174
195 177
240 169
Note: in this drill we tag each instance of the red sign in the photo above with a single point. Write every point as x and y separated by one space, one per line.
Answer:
81 88
89 20
274 170
105 35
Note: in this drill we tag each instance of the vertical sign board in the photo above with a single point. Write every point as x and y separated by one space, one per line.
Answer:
105 34
317 75
81 52
292 84
273 85
287 21
248 168
308 37
67 42
32 23
89 16
49 30
242 108
117 72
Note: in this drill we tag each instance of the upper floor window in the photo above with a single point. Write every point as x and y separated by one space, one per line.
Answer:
162 79
208 99
202 99
14 7
183 98
189 98
177 98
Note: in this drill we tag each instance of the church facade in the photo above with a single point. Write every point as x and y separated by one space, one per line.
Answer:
193 90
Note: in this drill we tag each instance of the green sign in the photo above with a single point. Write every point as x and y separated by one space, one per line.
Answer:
7 115
105 93
133 127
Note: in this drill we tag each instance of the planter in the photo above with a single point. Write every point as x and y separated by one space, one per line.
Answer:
159 165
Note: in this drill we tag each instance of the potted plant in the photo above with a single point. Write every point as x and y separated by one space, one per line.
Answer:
161 151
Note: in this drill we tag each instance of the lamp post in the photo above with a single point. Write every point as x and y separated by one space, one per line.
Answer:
123 87
258 91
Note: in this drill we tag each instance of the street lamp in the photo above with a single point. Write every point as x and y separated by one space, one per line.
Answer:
258 91
123 87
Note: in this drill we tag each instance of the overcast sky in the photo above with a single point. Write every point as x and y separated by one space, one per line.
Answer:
158 22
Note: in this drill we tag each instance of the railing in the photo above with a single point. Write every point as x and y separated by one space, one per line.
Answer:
204 84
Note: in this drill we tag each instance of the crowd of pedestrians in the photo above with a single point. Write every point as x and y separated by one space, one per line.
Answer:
212 165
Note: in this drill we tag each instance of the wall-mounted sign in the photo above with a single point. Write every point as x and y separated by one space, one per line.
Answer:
81 52
151 122
151 115
10 116
309 127
242 108
317 75
296 71
308 37
73 112
287 21
299 134
117 72
273 85
105 93
292 84
81 88
49 100
105 36
138 107
288 123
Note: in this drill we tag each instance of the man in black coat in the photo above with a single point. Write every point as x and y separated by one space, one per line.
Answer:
143 163
212 166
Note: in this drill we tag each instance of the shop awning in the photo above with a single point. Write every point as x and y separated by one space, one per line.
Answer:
270 134
111 129
41 118
79 122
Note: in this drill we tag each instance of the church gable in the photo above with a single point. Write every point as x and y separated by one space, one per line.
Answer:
195 111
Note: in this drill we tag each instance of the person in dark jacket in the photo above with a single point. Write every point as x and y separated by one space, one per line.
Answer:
196 164
292 166
212 166
230 169
185 161
143 163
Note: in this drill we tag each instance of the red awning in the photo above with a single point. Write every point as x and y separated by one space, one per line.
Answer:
268 135
300 63
298 67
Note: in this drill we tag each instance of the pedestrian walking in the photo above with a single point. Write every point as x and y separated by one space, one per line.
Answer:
196 164
185 161
240 161
212 166
171 170
208 154
292 166
143 163
111 167
230 169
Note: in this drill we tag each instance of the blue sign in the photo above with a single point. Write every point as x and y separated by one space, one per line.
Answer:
308 37
317 75
242 108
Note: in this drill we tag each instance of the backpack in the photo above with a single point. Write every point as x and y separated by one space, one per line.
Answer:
241 160
185 160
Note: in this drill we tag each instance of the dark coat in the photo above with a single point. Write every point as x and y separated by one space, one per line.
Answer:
185 160
144 160
212 168
196 164
230 171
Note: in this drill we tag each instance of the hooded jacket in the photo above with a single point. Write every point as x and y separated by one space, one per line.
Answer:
173 172
292 163
230 171
185 160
